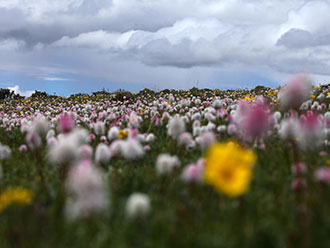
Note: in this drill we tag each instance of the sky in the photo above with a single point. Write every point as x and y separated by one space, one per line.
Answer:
81 46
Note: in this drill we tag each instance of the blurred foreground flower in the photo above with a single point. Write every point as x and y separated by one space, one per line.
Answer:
15 196
87 191
229 168
253 120
312 134
323 174
296 92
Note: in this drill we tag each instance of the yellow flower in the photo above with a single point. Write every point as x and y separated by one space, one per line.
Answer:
15 196
247 98
229 168
123 134
272 93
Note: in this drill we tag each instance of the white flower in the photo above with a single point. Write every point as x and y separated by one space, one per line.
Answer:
231 129
150 138
51 133
85 152
132 149
113 133
140 137
102 154
166 163
116 148
217 104
186 139
209 116
33 140
5 152
51 141
198 101
64 152
222 128
137 205
134 121
205 140
210 126
277 116
80 135
40 126
196 130
289 129
112 117
176 126
87 191
196 116
99 128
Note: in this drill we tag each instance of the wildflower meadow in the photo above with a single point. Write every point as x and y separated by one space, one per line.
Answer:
175 168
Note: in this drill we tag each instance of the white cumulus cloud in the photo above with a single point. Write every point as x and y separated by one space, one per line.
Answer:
17 90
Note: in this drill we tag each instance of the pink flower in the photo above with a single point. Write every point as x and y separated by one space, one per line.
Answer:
23 148
65 123
232 129
133 132
146 147
193 173
296 92
311 130
298 169
33 140
186 139
298 183
253 120
87 191
85 152
205 140
91 137
323 174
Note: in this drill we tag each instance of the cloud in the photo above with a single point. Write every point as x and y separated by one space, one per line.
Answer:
156 41
56 79
17 90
